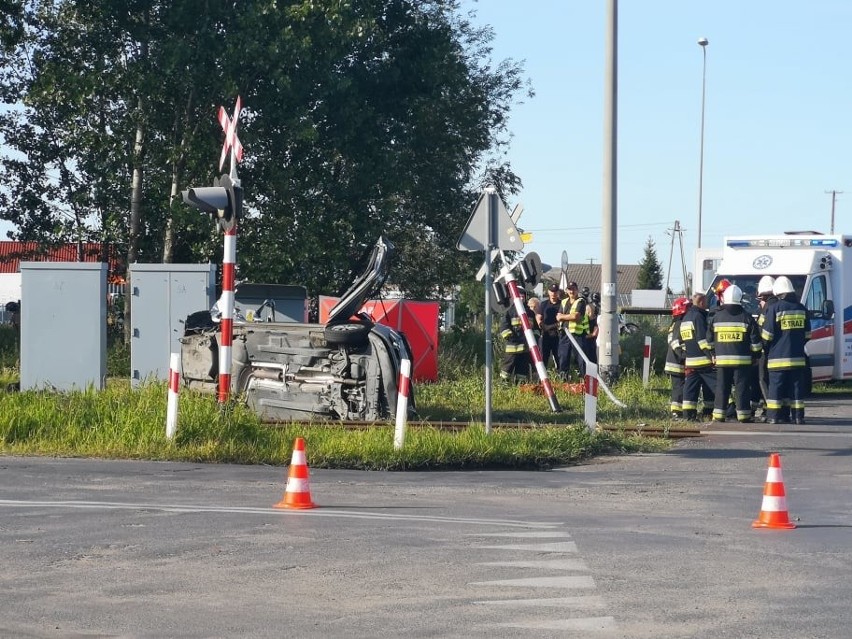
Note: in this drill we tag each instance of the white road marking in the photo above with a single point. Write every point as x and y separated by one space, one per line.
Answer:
547 564
559 546
567 581
555 533
316 512
585 626
588 624
588 601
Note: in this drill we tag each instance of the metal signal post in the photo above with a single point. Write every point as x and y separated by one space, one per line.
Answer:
224 202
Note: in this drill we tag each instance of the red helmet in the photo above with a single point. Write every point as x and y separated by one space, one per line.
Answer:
680 306
719 289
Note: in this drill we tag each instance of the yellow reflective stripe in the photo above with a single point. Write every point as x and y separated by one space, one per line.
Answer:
505 333
516 348
733 360
674 368
765 335
786 362
697 362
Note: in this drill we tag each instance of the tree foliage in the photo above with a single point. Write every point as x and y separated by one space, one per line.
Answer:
650 269
362 117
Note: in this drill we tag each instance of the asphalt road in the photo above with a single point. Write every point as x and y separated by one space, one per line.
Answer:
638 546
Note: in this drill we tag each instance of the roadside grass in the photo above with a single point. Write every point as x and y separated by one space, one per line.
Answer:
122 423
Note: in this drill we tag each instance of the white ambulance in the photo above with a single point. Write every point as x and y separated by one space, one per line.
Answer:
820 268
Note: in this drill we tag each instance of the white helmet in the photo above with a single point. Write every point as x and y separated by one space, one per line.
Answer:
764 286
782 285
732 295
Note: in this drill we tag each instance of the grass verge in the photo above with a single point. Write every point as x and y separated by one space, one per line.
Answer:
121 423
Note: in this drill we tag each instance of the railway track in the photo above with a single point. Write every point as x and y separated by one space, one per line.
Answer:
641 430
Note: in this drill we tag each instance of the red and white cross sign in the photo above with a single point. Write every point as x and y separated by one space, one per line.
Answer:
229 125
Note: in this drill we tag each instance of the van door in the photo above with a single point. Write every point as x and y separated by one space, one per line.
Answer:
820 348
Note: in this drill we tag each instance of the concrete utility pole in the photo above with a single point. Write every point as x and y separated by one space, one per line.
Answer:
702 42
834 195
608 322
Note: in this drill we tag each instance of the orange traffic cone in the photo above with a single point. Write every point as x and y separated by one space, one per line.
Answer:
773 511
297 494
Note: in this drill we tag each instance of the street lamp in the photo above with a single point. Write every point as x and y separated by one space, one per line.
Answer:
702 42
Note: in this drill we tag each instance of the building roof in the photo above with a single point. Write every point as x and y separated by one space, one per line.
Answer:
12 253
627 276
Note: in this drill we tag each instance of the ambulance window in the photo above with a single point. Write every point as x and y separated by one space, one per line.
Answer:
817 294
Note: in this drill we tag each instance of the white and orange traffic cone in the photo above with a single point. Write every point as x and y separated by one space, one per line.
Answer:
297 494
773 511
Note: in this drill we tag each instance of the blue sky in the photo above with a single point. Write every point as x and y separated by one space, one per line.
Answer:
778 120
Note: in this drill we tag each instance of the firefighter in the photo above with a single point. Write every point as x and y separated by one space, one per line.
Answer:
572 317
786 329
699 375
547 322
593 311
720 289
674 356
735 339
515 366
765 300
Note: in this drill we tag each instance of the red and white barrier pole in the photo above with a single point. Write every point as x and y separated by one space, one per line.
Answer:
174 389
535 351
402 394
229 261
646 362
590 389
227 308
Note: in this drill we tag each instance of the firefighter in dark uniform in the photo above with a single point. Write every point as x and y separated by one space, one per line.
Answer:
786 330
699 375
766 299
515 366
735 339
674 356
547 322
572 316
593 310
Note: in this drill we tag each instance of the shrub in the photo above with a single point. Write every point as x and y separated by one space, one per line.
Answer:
633 347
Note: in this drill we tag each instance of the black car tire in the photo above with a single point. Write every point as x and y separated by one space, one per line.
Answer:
347 334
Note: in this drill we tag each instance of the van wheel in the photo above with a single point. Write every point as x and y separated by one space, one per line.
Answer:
348 334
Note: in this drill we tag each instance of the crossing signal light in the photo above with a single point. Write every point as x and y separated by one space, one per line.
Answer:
223 201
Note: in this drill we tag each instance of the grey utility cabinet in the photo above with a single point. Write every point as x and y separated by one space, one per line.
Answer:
163 296
63 325
272 302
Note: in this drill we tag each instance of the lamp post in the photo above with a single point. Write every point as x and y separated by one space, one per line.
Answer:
702 42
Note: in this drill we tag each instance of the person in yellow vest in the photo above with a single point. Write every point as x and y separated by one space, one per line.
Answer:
515 365
572 317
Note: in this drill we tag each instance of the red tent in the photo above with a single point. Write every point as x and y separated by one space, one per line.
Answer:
417 320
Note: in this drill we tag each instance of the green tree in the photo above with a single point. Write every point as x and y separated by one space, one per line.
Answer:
650 269
366 117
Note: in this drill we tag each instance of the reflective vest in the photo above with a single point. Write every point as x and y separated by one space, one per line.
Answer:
786 329
734 336
512 331
693 336
576 327
674 352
